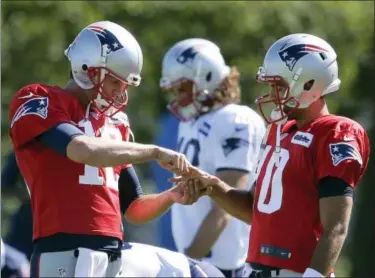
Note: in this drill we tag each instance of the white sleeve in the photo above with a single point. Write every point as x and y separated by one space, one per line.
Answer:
237 143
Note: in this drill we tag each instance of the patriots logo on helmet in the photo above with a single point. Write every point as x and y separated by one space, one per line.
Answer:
186 55
109 41
292 54
343 151
35 106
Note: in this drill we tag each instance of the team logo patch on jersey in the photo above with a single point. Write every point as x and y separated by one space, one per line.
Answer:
232 144
343 151
292 54
302 138
35 106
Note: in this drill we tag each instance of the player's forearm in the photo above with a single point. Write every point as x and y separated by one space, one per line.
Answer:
237 202
148 208
328 250
208 233
99 152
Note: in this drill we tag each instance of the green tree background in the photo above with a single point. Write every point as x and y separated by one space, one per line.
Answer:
36 33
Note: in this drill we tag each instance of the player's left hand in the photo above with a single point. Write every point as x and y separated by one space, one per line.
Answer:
187 192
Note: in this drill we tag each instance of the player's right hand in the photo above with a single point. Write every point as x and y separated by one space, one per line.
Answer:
187 192
198 177
173 161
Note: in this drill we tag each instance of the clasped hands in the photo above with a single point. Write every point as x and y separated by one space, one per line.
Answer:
191 185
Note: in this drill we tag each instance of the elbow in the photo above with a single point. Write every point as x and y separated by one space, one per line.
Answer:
249 219
135 215
246 218
79 150
135 218
337 231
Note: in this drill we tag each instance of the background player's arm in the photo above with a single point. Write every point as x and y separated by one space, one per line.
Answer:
335 215
235 149
217 218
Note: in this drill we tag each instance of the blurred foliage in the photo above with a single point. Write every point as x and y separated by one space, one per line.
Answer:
362 252
36 33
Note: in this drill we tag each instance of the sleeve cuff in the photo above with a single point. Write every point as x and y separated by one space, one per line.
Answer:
232 169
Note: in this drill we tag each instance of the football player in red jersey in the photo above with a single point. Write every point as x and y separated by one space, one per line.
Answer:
310 163
73 150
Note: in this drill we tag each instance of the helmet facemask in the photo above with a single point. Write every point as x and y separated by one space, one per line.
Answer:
105 102
279 97
187 102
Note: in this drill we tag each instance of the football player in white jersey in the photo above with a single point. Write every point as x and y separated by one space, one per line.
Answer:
143 260
218 136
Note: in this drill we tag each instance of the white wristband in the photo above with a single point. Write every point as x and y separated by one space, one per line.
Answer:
309 272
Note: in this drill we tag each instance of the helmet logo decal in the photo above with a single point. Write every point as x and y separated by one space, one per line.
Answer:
186 55
109 41
292 54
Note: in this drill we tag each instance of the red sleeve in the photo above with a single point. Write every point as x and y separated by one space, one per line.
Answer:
343 154
34 110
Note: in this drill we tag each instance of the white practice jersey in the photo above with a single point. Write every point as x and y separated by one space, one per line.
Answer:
142 260
228 138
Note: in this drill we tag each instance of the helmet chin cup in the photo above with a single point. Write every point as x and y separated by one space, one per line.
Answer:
277 114
184 113
278 117
103 102
187 103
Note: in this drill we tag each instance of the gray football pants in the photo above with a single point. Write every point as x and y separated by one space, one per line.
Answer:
81 262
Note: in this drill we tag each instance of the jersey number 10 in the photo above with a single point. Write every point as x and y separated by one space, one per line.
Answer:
272 178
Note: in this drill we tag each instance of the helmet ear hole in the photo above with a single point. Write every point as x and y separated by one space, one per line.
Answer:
209 76
84 67
323 55
308 85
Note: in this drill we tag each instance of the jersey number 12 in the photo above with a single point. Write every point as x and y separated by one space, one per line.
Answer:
91 174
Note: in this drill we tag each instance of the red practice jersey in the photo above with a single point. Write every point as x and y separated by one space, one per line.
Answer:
66 197
286 224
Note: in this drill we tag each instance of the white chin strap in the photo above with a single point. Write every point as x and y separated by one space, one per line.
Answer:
2 254
277 150
101 102
87 114
276 114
